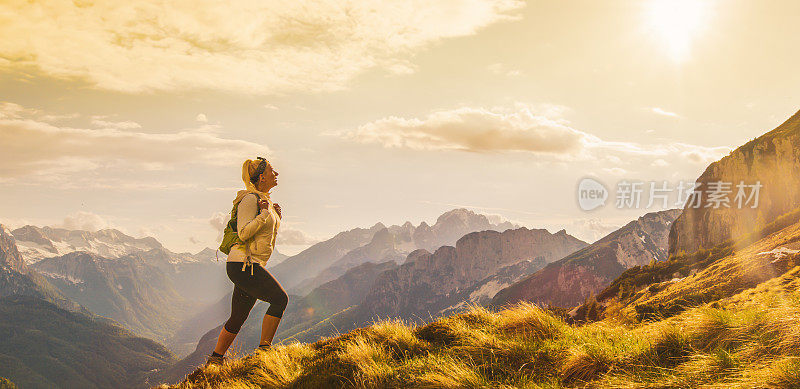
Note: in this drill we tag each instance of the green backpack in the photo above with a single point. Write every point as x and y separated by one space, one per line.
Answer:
230 236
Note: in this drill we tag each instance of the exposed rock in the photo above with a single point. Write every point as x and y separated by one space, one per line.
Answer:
569 281
9 254
773 159
16 278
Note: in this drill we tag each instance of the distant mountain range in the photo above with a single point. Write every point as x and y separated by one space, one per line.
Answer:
47 340
582 274
428 285
135 282
327 260
36 243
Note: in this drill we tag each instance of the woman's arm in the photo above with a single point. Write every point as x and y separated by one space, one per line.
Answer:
247 222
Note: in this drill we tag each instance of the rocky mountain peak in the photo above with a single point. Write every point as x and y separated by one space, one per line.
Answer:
382 235
458 213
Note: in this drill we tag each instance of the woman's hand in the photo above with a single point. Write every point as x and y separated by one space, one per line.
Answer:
277 209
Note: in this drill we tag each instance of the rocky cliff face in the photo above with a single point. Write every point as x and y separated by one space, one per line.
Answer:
774 160
426 282
569 281
17 279
9 254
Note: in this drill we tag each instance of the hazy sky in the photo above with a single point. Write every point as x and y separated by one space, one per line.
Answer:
137 115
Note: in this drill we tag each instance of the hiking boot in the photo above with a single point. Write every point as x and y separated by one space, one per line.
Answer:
215 360
264 347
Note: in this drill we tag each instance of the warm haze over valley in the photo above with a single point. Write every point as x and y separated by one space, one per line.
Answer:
472 193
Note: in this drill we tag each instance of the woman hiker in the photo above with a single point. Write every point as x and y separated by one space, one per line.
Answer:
245 267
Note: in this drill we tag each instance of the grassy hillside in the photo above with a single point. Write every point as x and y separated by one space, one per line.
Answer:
669 287
43 346
746 346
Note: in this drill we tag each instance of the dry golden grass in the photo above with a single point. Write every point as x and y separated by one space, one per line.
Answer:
757 345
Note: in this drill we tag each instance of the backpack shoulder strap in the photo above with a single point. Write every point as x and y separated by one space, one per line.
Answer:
258 201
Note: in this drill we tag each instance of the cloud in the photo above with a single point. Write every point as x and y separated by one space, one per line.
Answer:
473 129
503 70
616 171
590 230
662 112
260 47
31 147
218 221
84 221
290 237
201 117
539 130
126 125
660 163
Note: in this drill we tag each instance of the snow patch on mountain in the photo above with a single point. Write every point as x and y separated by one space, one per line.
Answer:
71 279
37 243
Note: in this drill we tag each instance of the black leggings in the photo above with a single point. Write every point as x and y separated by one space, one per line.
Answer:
247 289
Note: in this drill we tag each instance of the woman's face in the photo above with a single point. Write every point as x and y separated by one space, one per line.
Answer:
268 179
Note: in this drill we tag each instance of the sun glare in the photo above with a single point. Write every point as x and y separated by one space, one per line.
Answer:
675 23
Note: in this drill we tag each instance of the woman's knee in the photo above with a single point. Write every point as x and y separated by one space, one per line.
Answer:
278 303
234 323
281 299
